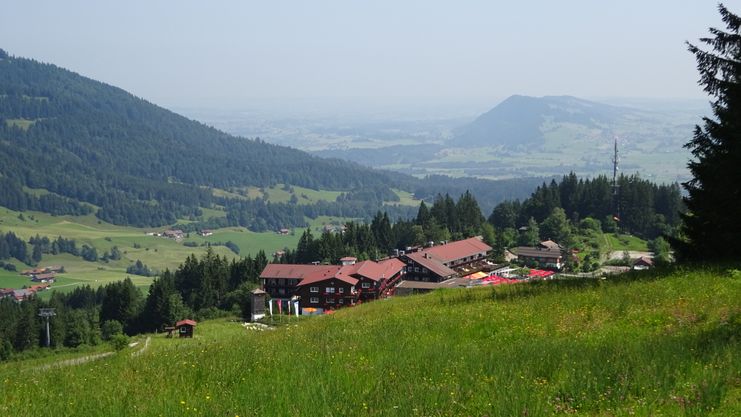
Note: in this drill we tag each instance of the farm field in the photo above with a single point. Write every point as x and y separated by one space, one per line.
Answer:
654 343
133 243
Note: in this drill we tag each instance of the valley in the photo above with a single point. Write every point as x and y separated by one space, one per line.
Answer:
569 134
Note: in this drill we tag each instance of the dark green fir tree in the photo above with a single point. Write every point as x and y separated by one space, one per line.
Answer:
712 223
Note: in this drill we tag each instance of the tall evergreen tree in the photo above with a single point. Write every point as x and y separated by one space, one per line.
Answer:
711 225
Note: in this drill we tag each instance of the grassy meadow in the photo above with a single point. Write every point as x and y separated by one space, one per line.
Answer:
651 344
156 252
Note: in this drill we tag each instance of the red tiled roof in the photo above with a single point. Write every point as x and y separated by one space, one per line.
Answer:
337 272
391 267
434 265
458 250
296 271
185 322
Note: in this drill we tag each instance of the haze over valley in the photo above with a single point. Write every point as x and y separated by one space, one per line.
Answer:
517 137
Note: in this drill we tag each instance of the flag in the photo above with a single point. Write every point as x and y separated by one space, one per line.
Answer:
270 306
295 307
280 306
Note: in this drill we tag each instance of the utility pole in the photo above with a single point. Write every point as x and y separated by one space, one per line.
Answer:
46 313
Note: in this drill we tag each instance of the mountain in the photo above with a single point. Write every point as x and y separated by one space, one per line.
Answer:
83 141
520 120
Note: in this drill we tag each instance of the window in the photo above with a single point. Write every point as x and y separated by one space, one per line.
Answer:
416 269
424 270
314 289
314 300
329 290
341 301
365 285
330 300
342 290
281 291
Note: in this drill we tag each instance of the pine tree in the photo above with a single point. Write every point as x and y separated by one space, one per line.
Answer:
711 225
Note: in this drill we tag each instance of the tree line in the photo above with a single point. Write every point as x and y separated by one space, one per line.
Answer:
200 288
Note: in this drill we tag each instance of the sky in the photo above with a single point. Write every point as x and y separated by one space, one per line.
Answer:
229 53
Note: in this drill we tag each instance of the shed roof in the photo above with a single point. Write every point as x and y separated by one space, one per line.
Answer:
186 322
536 252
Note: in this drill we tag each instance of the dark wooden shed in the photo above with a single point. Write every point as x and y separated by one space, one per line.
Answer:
185 327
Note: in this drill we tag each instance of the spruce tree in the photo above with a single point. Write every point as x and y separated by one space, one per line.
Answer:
711 225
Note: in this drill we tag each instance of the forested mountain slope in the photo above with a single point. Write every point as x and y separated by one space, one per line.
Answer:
91 142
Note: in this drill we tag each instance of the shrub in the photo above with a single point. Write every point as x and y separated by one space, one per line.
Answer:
119 341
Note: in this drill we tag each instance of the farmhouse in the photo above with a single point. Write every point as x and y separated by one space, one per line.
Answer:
49 277
644 262
173 234
206 232
440 263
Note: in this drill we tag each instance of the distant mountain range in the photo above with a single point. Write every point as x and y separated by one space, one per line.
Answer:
520 120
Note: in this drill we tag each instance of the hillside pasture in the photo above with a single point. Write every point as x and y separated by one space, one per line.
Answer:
156 252
627 346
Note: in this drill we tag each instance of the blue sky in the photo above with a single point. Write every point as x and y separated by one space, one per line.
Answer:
229 53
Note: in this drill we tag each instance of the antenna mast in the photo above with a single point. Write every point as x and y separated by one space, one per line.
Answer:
615 187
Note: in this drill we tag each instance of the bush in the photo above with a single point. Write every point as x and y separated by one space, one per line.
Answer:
5 350
119 341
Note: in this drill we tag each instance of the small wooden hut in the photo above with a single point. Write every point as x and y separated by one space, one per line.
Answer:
185 327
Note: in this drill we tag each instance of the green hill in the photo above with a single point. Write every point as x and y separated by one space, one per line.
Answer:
135 163
651 344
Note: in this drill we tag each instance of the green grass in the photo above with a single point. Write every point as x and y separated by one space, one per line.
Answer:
642 345
157 253
405 198
620 242
277 194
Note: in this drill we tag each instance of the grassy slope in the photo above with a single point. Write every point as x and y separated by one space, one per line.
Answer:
157 253
615 348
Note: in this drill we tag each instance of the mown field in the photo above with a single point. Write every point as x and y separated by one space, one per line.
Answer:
155 252
645 345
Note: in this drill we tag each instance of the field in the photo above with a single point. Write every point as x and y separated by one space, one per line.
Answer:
643 345
155 252
280 194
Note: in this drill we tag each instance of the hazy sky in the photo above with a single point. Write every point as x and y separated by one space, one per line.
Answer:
193 53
